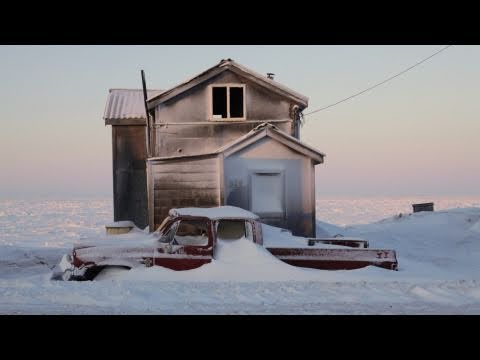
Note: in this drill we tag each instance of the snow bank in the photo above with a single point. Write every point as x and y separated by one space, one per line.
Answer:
437 245
475 227
278 238
365 210
438 256
238 260
117 224
132 238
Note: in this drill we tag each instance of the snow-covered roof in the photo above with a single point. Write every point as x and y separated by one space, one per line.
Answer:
220 212
273 132
223 65
126 104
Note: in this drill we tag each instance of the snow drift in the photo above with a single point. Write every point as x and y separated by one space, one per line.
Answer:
438 254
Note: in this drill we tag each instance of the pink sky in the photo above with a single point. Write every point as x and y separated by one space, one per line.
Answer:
416 135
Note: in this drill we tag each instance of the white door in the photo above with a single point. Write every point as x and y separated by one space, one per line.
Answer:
267 197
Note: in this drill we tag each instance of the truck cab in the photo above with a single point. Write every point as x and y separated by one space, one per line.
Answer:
188 237
187 241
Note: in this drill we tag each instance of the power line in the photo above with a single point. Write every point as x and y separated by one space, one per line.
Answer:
380 83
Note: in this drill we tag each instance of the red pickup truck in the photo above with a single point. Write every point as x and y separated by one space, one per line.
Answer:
187 239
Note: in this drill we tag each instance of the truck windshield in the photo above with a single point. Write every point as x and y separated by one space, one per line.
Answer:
192 232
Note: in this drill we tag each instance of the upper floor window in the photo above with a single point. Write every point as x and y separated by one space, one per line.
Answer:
228 102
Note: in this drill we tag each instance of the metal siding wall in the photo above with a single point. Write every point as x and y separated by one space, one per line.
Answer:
130 188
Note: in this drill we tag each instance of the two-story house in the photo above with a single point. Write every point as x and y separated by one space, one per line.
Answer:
228 136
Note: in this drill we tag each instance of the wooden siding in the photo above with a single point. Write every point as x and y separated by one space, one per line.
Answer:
192 182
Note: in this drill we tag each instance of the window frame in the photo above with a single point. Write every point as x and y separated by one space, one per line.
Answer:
228 86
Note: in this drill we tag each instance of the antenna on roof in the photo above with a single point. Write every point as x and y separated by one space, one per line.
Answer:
147 140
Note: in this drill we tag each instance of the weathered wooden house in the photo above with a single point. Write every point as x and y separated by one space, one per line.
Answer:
228 136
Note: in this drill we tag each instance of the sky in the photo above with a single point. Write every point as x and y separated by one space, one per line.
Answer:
415 135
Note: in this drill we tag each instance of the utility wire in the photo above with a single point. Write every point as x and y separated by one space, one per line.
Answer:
380 83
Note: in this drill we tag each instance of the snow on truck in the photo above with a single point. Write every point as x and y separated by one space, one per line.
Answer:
188 237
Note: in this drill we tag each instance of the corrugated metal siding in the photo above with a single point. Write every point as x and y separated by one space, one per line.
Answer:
126 104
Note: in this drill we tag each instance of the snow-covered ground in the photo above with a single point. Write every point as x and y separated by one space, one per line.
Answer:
348 211
438 254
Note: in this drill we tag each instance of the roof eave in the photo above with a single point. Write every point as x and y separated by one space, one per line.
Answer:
278 135
188 84
269 83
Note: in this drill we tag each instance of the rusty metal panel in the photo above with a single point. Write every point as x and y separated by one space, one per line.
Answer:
354 243
337 259
422 207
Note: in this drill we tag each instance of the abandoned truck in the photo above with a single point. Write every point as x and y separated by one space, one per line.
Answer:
187 239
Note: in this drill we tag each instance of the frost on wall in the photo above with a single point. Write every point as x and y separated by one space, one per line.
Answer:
268 193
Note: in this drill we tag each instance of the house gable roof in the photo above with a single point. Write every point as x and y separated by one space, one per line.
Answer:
236 68
259 132
268 130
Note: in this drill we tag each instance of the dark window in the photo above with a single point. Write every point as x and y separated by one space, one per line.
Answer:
236 102
219 96
228 102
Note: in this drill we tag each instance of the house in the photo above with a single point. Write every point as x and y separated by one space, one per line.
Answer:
228 136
